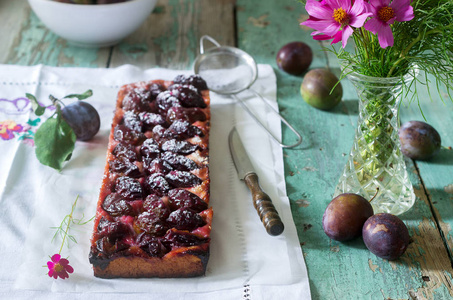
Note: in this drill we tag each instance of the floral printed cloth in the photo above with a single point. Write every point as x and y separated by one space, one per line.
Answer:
35 198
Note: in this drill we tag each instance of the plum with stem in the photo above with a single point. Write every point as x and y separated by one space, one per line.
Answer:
83 119
345 215
56 137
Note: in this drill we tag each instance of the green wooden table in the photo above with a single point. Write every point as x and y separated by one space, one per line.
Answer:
169 38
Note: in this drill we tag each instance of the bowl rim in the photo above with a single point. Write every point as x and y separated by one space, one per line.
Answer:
92 5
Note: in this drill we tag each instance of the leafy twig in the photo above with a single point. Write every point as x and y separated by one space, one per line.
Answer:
54 139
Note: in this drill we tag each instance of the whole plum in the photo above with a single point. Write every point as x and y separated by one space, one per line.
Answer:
345 215
386 236
294 58
419 140
83 119
316 89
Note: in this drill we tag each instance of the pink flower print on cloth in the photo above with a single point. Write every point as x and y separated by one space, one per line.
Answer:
8 128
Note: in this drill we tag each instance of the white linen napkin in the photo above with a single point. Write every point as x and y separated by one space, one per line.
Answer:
245 262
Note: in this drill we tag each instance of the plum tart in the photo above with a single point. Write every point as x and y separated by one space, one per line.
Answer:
153 217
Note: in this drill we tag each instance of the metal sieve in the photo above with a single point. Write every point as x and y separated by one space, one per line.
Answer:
229 71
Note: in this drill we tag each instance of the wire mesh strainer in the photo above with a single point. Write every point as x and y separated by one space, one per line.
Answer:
229 71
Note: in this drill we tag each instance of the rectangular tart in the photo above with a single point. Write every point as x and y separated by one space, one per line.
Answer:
153 217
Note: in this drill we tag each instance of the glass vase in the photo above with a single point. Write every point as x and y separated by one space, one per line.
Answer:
375 164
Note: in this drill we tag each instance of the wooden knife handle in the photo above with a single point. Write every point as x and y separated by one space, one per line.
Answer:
263 205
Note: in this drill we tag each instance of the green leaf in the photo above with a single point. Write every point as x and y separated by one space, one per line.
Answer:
37 108
54 141
83 96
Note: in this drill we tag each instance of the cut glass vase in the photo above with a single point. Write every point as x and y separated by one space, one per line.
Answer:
375 164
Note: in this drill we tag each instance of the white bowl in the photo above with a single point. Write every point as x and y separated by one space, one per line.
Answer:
97 25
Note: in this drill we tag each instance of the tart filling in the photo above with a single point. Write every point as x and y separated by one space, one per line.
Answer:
153 217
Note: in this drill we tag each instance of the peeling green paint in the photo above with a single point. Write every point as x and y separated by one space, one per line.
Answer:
133 50
37 45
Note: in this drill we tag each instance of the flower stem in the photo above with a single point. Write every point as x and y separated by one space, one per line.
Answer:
70 218
389 74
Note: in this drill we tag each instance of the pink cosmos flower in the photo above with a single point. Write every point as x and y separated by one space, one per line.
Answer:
59 267
384 14
322 37
333 16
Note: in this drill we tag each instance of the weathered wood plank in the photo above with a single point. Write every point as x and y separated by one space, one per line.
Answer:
170 36
12 13
437 173
339 270
29 42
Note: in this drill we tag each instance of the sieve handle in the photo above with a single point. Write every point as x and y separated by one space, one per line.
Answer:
299 137
207 37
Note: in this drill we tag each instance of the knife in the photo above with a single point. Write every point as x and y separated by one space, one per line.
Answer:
261 201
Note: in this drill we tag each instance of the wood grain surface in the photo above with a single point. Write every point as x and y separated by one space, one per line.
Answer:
169 38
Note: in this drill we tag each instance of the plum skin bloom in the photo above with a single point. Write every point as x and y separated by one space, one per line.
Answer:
334 16
59 267
385 14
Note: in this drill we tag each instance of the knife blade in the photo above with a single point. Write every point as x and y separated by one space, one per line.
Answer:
246 172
